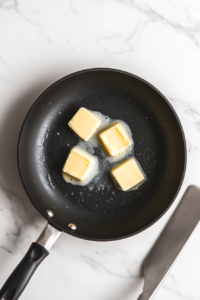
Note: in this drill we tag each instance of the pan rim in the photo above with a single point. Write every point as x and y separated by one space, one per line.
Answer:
50 221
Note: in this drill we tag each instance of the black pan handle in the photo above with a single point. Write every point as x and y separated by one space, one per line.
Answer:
19 278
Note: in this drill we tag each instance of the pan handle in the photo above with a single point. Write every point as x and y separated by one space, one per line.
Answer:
20 277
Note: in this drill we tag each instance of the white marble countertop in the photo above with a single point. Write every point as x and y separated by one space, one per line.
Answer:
42 41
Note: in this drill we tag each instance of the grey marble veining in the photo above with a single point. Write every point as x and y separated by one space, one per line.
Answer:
42 41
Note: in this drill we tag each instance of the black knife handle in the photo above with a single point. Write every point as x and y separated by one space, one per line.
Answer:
19 278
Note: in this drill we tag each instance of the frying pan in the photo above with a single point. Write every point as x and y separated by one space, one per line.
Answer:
99 214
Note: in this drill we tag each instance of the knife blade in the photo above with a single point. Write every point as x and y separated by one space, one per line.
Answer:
171 242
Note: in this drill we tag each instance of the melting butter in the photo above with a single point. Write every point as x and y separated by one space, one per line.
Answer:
79 164
99 178
128 175
84 123
115 139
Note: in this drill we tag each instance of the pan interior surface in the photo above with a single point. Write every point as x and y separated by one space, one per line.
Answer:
159 146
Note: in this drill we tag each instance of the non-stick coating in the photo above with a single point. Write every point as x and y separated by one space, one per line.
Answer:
159 147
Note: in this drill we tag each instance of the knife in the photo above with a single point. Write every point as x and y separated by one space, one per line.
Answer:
171 242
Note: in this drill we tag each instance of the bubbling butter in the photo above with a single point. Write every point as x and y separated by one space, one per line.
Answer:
94 172
115 139
84 123
99 179
79 164
127 175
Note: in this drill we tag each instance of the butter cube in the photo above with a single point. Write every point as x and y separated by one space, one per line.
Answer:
79 164
84 123
128 174
115 139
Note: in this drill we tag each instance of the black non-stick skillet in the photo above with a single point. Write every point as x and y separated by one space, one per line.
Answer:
100 214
